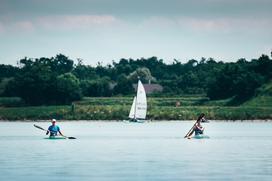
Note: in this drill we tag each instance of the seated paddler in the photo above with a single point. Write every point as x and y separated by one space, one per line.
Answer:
53 129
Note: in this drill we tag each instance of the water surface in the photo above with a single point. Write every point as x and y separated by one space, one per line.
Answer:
132 151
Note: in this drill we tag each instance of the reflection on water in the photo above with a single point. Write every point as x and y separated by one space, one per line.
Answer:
132 151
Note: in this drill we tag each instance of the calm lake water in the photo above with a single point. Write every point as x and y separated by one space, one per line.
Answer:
132 151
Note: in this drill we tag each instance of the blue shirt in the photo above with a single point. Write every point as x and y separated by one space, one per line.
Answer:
54 130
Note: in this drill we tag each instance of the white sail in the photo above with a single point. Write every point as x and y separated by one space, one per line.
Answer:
132 109
141 104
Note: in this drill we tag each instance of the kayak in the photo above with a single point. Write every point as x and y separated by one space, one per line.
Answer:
55 138
201 136
134 121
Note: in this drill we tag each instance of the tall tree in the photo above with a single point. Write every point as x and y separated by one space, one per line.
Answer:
68 88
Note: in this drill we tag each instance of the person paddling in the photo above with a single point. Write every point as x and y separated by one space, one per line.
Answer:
54 129
197 128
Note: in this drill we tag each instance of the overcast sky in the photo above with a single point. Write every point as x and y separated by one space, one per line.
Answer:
106 30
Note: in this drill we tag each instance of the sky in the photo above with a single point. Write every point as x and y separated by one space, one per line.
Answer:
106 30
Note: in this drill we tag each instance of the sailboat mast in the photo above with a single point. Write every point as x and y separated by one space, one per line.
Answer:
136 100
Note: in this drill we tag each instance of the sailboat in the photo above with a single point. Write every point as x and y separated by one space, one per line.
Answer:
139 106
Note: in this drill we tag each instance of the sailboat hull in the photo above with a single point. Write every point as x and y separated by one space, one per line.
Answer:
137 120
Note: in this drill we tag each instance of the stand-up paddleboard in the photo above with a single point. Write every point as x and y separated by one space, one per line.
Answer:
200 136
56 138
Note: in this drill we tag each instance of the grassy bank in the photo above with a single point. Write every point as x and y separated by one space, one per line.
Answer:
117 108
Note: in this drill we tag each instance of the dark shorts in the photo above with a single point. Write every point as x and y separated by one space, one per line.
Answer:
53 134
197 132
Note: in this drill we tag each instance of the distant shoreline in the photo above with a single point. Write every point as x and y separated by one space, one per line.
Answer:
112 109
120 121
120 113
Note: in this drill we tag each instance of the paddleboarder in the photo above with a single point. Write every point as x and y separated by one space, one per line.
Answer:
54 129
198 129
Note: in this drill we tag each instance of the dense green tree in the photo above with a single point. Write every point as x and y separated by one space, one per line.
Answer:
263 66
3 85
36 80
83 72
123 67
143 74
97 88
68 88
61 64
45 80
7 71
235 80
32 83
123 86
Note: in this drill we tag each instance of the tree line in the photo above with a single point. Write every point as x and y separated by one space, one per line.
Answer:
60 80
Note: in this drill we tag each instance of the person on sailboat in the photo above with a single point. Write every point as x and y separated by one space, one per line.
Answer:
54 129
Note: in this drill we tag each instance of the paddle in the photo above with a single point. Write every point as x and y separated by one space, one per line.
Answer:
48 130
190 132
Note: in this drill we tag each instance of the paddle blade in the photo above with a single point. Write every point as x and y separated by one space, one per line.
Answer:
38 127
71 137
205 121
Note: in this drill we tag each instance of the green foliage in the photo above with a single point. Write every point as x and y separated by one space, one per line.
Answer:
35 81
68 88
7 71
32 82
240 80
3 84
265 90
11 102
43 81
34 113
61 64
96 88
143 74
85 72
259 101
117 108
123 86
263 97
262 66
